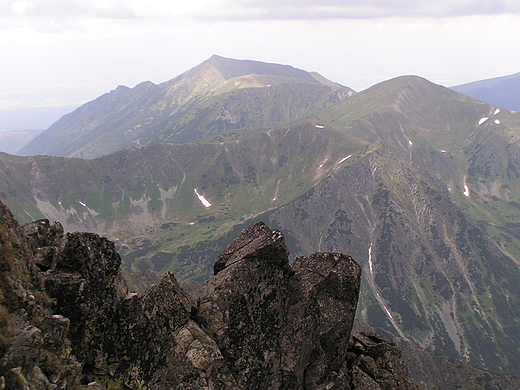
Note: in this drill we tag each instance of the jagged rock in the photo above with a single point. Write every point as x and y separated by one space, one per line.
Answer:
167 348
377 364
140 281
259 242
33 347
281 326
260 322
88 288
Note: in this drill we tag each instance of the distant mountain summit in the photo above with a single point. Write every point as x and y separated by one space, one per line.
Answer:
501 91
230 68
218 95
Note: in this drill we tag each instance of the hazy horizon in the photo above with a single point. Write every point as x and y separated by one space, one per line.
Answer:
56 52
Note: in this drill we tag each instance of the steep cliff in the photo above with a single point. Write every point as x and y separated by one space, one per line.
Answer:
431 273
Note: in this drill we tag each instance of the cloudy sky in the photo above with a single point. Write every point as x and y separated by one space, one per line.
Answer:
56 52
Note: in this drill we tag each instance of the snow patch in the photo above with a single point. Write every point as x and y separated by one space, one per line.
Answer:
202 199
466 190
497 122
388 312
410 143
81 203
345 158
370 259
497 111
380 300
443 151
268 85
482 120
320 127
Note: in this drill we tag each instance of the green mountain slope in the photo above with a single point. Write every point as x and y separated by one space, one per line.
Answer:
472 147
417 182
431 273
161 192
218 95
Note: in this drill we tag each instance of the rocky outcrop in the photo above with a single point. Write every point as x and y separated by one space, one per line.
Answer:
282 326
34 341
436 372
376 364
259 323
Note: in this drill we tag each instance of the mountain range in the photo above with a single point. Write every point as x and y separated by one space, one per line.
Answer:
218 95
501 91
417 182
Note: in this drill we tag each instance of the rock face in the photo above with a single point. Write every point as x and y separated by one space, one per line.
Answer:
259 323
376 363
281 327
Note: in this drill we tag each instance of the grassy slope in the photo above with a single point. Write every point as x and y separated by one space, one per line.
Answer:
134 193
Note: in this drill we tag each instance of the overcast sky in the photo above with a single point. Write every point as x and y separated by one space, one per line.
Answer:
55 52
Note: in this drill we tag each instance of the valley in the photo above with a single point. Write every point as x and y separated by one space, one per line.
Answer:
406 177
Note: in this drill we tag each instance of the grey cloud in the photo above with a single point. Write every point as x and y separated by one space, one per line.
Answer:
65 9
358 9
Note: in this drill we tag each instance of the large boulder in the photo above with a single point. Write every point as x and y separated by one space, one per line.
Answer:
281 326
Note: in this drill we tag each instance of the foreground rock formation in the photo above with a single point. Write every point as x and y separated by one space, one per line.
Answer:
68 321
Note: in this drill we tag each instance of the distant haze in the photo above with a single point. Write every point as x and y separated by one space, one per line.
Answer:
60 53
32 118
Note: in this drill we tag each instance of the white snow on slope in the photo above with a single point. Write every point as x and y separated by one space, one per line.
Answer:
320 127
466 190
388 312
382 303
81 203
482 120
202 199
370 259
345 158
497 122
497 111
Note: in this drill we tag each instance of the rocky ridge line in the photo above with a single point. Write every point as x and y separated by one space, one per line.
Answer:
258 323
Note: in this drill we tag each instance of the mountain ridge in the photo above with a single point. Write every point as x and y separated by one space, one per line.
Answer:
218 95
501 91
417 181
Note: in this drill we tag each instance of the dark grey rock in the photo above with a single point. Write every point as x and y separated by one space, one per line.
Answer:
259 323
278 326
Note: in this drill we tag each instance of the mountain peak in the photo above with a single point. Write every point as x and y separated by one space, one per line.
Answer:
230 68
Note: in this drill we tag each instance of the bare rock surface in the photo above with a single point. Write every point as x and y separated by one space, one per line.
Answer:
69 321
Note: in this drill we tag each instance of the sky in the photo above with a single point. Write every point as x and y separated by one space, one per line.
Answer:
68 52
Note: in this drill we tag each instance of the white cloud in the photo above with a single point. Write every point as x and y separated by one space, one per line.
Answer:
67 12
58 9
73 51
356 9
